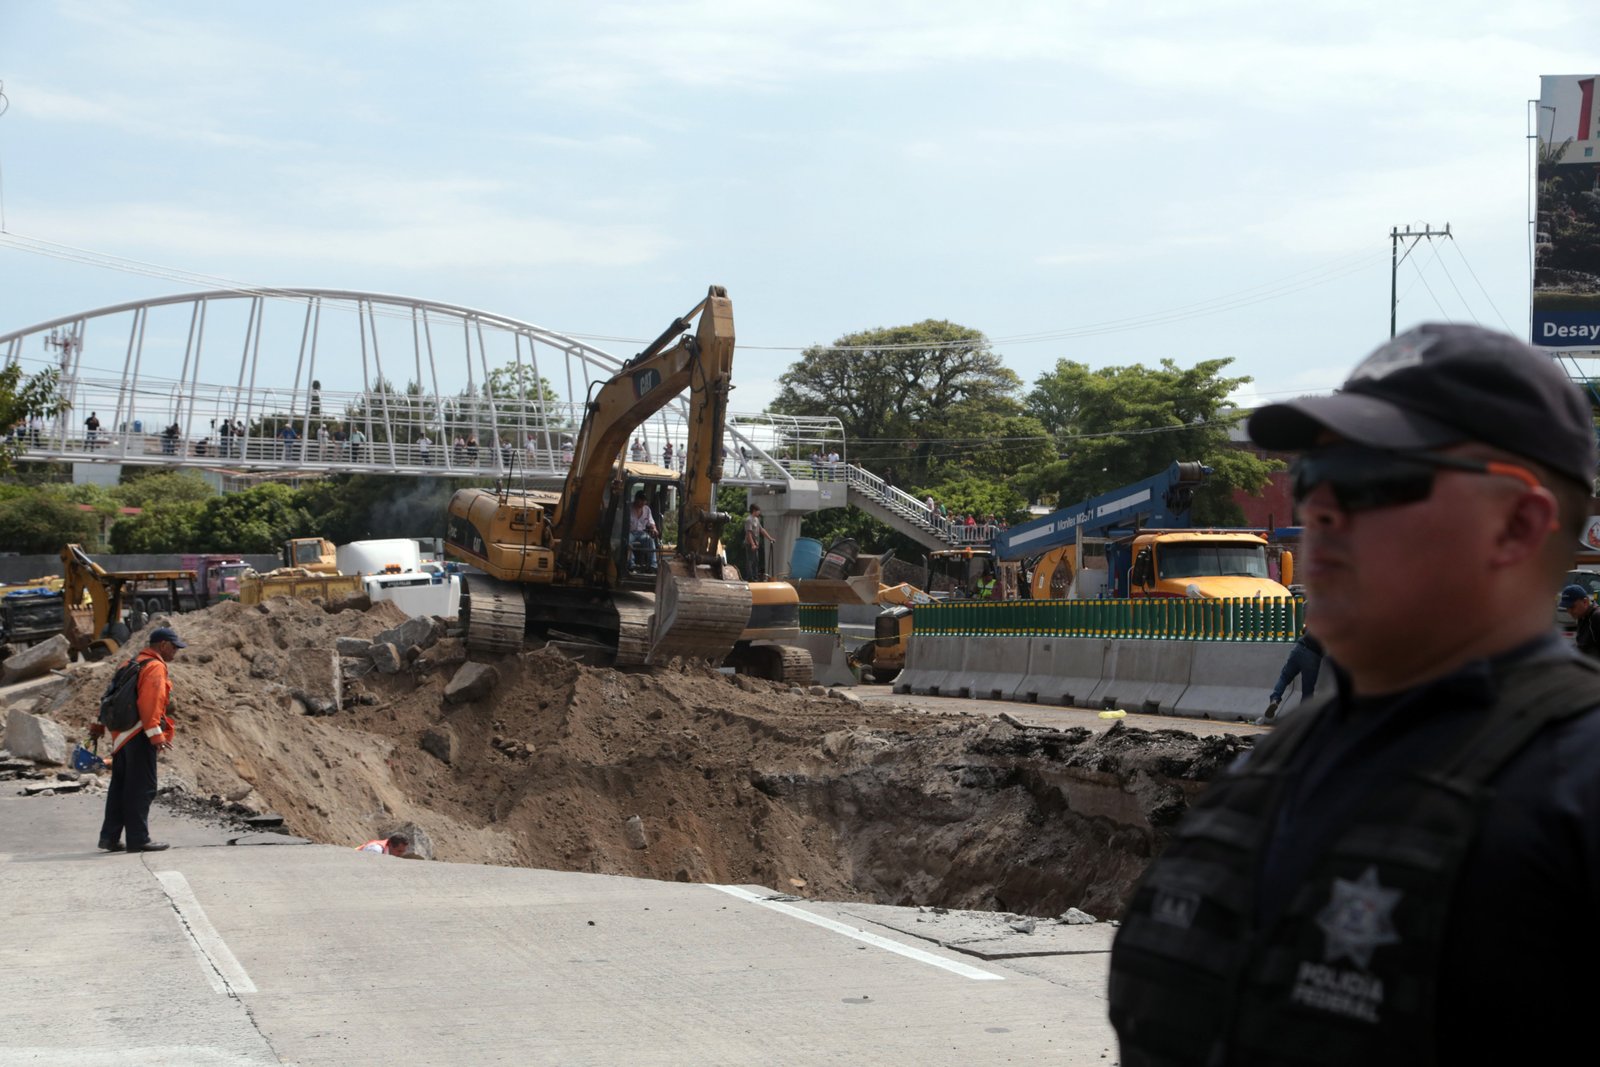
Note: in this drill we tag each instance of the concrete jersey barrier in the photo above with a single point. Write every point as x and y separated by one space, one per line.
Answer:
1199 679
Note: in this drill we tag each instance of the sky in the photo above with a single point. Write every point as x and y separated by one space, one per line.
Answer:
1109 183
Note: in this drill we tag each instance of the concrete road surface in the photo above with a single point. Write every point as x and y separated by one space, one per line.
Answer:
225 955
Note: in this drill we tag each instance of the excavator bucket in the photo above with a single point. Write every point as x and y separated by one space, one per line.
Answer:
698 617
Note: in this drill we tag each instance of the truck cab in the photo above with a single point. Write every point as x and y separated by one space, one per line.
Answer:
1205 564
315 554
217 577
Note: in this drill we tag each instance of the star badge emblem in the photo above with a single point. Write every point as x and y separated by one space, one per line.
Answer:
1358 919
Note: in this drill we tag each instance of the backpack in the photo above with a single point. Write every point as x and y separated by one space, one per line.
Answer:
119 704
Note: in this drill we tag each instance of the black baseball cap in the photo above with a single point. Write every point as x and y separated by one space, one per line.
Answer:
1444 384
167 633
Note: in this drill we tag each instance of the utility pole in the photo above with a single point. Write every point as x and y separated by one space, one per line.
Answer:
1395 258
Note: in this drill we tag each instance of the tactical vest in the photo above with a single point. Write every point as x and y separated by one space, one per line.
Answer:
1347 971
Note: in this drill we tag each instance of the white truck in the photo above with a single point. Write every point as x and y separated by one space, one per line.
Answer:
393 569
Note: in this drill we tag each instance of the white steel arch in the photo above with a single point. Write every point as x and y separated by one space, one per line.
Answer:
314 381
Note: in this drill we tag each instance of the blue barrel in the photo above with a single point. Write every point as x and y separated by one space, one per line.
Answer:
807 554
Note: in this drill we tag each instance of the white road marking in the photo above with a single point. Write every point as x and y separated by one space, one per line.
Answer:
222 969
963 969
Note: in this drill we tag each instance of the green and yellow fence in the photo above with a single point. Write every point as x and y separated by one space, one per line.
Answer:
819 618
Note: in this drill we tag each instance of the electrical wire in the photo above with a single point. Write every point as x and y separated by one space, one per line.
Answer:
1451 279
1481 288
1429 288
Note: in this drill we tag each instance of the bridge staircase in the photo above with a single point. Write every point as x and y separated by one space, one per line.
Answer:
904 512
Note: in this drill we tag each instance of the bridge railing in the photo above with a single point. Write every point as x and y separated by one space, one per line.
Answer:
915 511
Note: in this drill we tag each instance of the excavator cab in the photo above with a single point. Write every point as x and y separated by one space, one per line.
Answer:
639 556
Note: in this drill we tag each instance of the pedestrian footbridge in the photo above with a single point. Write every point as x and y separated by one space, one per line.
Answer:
254 384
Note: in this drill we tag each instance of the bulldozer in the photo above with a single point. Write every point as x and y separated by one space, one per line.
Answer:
560 564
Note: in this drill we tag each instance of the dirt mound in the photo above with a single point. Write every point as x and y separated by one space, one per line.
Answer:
731 779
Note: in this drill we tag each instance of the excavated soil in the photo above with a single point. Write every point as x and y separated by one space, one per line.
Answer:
733 780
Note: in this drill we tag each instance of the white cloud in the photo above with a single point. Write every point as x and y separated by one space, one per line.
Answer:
469 237
42 103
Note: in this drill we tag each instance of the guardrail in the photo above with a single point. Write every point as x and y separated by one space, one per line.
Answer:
1226 619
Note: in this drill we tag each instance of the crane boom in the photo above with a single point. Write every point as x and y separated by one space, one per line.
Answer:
1162 500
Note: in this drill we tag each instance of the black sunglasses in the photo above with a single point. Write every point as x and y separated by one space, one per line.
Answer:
1362 479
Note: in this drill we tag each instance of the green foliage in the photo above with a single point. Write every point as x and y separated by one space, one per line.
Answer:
979 496
21 399
155 488
161 529
1103 420
96 496
258 519
43 522
520 400
901 389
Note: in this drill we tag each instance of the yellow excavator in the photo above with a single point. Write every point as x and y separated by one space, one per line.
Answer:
560 564
97 630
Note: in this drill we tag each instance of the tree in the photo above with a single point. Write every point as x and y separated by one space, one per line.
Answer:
258 519
523 405
153 488
165 529
43 522
1118 425
902 391
971 494
23 399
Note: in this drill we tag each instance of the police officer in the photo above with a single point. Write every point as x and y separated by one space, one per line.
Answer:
1408 870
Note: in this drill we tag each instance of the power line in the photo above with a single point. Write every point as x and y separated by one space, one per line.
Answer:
1481 288
1451 279
1429 288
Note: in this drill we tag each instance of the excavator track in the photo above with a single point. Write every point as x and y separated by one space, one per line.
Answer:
493 613
635 612
774 662
797 666
697 619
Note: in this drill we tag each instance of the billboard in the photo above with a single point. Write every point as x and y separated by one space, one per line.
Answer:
1566 262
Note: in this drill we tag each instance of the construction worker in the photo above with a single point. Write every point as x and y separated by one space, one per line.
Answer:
986 586
393 845
134 750
1576 603
756 539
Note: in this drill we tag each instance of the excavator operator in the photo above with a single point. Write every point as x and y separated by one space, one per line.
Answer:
643 533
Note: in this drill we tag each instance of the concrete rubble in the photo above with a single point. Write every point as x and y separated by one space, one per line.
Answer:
41 658
35 738
440 741
473 681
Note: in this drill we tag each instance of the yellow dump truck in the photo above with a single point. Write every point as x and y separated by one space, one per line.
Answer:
296 582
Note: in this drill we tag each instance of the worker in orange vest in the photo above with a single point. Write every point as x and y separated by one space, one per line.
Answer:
393 845
134 750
